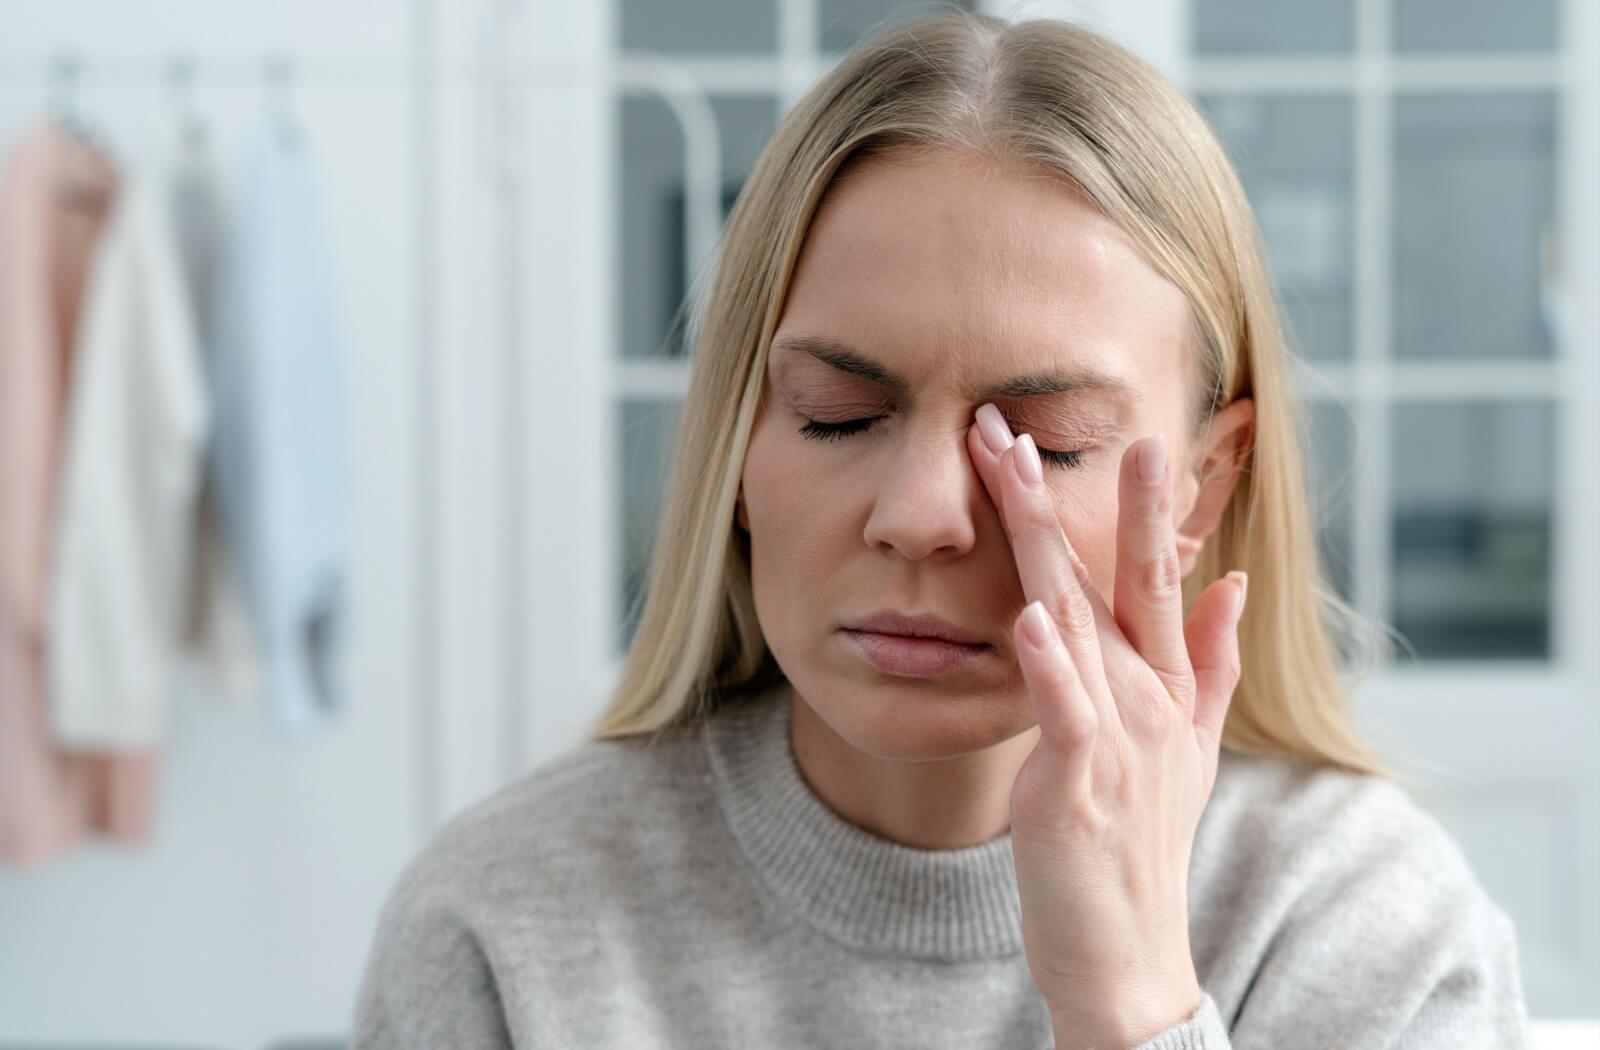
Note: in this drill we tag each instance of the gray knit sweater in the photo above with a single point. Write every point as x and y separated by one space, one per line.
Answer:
693 891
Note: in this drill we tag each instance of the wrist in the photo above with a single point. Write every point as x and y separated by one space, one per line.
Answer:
1122 1020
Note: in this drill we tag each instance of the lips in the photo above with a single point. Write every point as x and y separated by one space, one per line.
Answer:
898 654
917 645
910 625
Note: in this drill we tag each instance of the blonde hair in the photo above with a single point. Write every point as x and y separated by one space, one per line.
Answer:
1075 104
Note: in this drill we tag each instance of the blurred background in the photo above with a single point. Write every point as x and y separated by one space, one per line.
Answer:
512 200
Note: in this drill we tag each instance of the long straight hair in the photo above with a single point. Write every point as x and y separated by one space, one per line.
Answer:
1077 105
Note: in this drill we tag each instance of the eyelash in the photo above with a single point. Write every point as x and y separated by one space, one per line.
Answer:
819 431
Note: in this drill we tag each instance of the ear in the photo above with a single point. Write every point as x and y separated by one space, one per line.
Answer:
1228 442
740 514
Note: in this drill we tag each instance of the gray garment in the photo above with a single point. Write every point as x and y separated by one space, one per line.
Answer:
693 891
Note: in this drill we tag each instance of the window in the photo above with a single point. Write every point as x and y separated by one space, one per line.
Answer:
748 62
1409 164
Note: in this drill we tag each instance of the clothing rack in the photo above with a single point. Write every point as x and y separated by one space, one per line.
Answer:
68 69
499 78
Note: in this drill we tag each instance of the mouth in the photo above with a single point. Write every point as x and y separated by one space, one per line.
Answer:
910 625
912 656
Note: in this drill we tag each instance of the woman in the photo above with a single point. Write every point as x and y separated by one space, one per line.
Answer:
990 355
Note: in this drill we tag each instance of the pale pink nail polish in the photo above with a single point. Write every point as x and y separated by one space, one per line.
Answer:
1240 577
992 425
1028 464
1153 459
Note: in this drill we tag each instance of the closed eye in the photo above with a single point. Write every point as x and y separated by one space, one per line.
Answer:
819 431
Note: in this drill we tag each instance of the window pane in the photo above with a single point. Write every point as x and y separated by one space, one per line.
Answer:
842 23
1472 536
648 428
1474 25
700 26
1253 26
1330 462
1293 155
652 229
1474 189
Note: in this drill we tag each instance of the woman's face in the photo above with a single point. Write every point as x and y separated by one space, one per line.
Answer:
950 281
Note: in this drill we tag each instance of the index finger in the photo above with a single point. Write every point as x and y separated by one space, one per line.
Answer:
991 467
1050 571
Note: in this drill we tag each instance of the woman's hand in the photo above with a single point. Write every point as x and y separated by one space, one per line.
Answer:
1130 709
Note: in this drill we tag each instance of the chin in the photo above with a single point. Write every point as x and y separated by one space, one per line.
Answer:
915 718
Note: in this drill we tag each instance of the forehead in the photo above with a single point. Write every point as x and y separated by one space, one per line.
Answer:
954 266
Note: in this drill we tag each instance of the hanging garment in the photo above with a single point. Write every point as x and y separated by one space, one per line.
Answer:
54 197
128 543
219 632
279 447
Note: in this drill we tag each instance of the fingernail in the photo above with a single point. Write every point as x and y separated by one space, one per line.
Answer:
1028 466
992 425
1153 459
1036 625
1242 580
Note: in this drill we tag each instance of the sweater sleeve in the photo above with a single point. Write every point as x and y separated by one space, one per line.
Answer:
1202 1030
429 982
1388 940
1364 926
1399 961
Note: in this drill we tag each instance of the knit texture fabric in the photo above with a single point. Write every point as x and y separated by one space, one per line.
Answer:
693 890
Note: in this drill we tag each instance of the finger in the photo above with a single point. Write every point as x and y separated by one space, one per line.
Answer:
1113 643
1049 570
992 444
1066 715
987 439
1212 633
1149 583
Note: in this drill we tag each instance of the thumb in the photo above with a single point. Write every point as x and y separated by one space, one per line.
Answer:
1212 635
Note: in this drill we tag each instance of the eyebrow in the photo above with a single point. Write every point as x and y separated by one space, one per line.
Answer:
1035 384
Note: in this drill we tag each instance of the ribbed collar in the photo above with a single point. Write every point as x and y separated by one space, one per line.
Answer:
854 886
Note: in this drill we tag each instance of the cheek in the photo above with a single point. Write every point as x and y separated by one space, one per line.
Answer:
786 484
797 543
765 463
787 499
799 516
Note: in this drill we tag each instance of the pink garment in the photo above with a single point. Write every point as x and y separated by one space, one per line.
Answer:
55 194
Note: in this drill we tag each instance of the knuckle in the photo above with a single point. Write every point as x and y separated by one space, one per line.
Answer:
1036 516
1159 504
1081 727
1057 679
1186 691
1087 815
1073 613
1160 578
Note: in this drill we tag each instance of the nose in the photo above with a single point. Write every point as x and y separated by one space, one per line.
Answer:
926 498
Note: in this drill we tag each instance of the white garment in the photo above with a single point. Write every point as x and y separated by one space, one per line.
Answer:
132 558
